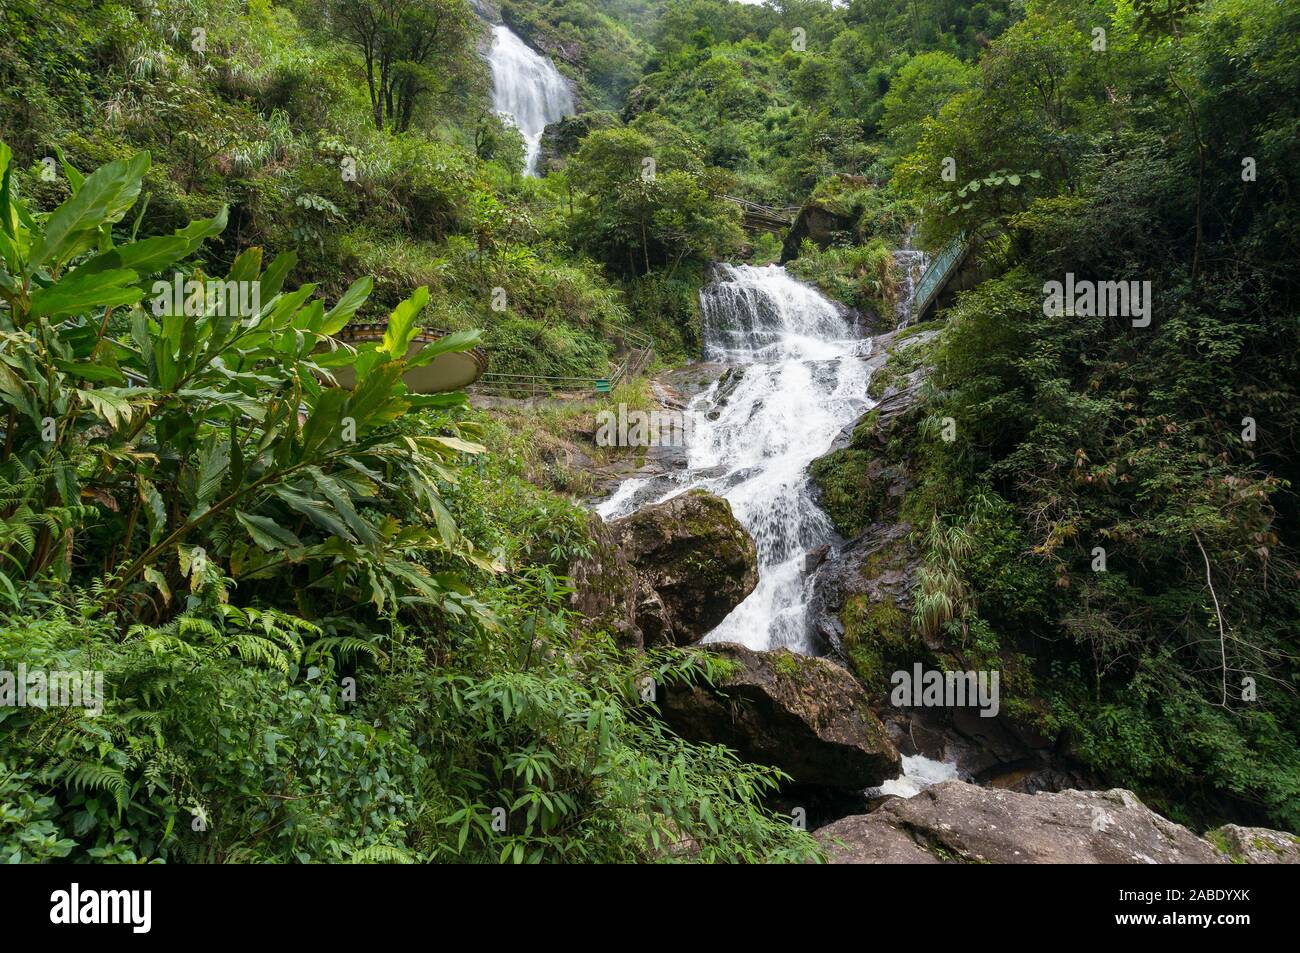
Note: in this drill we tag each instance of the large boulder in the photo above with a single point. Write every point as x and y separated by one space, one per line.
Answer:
956 822
807 716
605 587
694 562
666 574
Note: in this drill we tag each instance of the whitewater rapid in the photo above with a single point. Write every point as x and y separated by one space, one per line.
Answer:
801 380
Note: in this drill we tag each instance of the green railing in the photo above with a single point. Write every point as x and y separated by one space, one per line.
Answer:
638 351
937 274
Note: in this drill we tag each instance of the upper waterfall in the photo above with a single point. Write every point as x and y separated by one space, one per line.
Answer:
798 380
527 89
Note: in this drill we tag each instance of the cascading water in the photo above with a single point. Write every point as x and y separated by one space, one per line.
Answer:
910 264
798 380
527 89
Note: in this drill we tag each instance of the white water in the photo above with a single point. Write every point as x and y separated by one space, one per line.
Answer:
804 380
910 264
919 772
527 89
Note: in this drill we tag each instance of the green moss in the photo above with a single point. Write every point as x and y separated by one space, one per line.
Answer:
849 495
877 639
865 429
786 665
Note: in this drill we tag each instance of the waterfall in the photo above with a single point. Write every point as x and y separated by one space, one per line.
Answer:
798 380
911 265
527 89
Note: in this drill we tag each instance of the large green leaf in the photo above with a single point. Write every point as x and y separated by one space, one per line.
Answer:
324 424
75 178
448 344
8 211
151 255
401 324
375 398
214 461
338 316
80 291
111 406
103 199
316 510
337 493
267 533
272 279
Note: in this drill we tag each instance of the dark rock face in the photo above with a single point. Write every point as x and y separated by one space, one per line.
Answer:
666 574
862 593
876 569
563 138
955 822
819 225
807 716
606 588
695 557
487 10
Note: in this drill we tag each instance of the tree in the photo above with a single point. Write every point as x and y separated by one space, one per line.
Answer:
649 200
919 91
400 41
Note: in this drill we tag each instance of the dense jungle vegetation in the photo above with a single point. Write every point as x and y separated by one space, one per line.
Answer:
334 624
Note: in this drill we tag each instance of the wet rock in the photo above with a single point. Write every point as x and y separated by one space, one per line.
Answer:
868 582
666 574
862 593
693 553
692 379
807 716
815 557
606 588
956 822
819 225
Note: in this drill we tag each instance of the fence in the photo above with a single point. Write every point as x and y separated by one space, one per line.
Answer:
637 352
936 276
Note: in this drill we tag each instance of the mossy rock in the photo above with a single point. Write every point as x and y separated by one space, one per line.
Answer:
877 640
849 494
694 561
807 716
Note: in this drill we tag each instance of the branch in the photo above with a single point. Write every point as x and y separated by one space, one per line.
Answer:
1218 614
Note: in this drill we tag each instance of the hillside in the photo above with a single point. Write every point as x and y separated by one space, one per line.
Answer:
380 623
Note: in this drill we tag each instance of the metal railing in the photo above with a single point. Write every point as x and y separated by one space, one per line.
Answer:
638 352
936 276
784 214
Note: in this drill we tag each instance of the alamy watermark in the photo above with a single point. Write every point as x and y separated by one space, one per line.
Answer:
642 428
40 688
1087 299
73 906
932 688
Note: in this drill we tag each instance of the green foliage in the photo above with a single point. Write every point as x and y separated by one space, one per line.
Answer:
918 91
650 201
291 598
863 276
1076 433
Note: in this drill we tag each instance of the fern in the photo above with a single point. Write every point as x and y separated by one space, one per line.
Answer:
89 776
